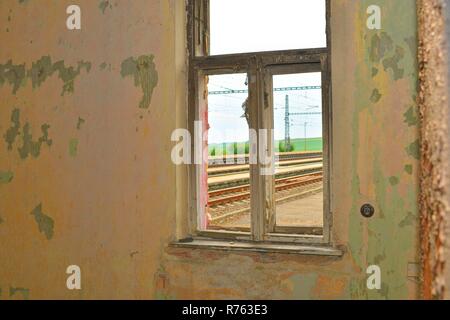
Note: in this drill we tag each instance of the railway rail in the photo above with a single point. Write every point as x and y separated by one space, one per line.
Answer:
234 194
218 161
231 169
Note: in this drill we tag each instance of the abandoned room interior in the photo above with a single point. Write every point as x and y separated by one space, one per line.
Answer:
224 150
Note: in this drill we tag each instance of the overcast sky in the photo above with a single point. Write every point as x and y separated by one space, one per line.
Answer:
263 25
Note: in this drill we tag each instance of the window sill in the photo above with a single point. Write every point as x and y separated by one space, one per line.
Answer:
259 247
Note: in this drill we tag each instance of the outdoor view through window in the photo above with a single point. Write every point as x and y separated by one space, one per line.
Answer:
297 115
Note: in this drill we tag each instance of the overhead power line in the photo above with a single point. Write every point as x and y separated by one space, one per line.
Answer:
303 88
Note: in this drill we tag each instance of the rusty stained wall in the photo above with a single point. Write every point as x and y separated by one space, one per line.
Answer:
447 225
86 176
85 124
433 95
434 110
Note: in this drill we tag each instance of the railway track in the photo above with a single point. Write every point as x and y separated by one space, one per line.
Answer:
226 196
242 178
232 169
219 161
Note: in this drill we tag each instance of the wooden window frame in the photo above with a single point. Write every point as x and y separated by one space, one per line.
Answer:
260 67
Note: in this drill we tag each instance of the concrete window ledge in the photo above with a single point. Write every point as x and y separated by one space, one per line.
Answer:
259 247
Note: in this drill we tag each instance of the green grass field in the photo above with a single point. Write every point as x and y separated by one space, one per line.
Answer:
312 144
298 145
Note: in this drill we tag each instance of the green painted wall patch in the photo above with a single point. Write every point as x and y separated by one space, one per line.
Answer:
6 177
393 63
104 4
12 133
409 220
40 71
411 118
413 150
14 75
376 96
23 291
73 147
409 169
80 122
379 46
143 70
394 181
44 222
30 147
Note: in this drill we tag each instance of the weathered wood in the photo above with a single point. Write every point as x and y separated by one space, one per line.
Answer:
261 247
260 67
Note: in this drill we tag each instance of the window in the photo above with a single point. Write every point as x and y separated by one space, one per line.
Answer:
259 107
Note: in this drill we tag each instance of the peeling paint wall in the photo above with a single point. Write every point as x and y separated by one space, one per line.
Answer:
93 112
85 124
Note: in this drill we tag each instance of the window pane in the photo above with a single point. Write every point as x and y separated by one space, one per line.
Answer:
298 145
228 147
238 26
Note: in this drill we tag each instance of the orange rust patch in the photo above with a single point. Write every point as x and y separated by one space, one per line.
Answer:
329 288
433 106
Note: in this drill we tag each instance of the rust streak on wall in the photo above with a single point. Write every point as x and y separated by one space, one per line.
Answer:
433 105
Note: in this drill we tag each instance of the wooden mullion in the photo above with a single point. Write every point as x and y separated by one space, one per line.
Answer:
255 183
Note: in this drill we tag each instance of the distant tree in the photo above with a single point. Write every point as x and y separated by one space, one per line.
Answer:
282 147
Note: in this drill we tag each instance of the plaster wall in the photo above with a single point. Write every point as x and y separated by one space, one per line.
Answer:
86 176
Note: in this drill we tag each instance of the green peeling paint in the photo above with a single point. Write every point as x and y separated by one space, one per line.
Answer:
374 72
1 220
413 150
409 169
80 122
379 240
29 146
411 118
412 45
376 96
12 133
73 147
6 177
44 222
394 181
24 292
69 74
393 63
143 70
380 45
104 4
409 220
14 75
40 71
